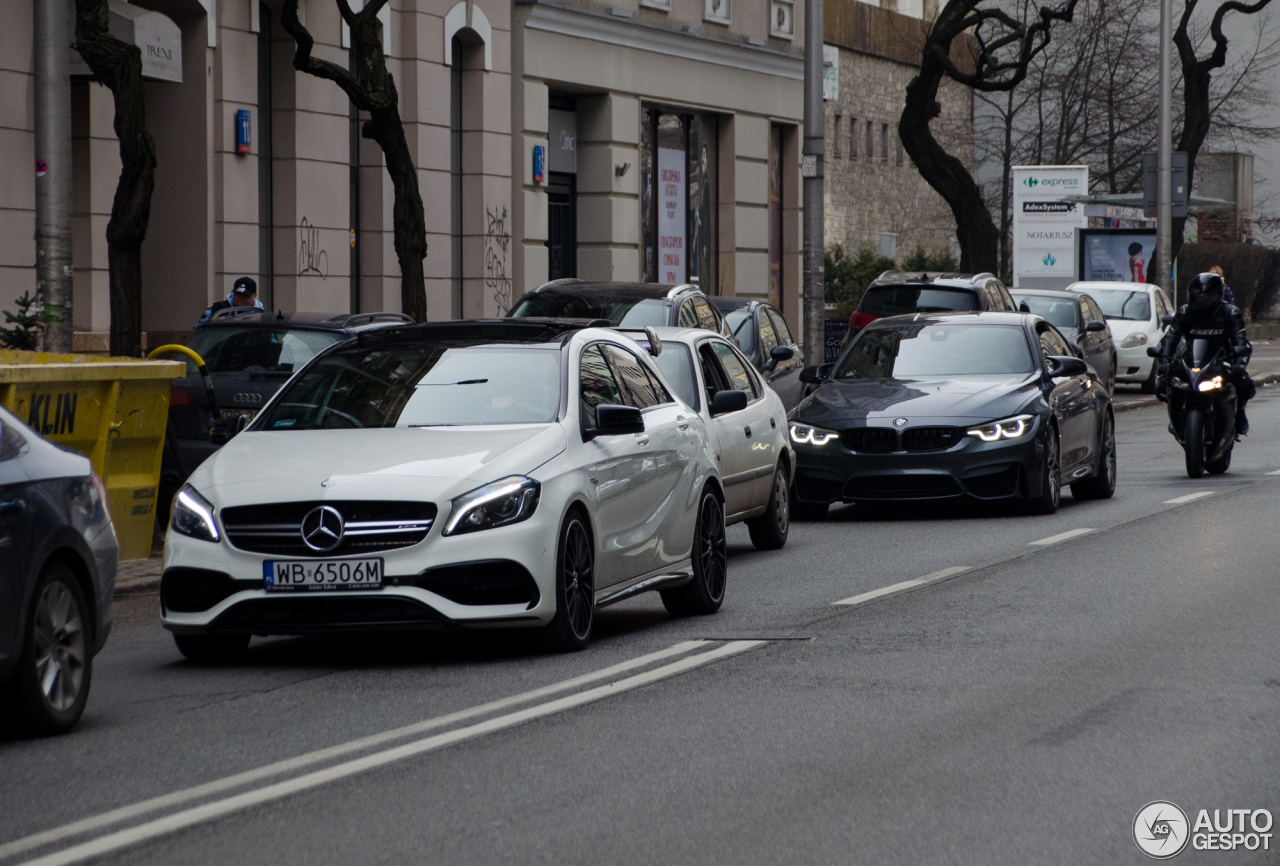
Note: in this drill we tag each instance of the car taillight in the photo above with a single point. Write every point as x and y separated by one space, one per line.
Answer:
858 321
178 397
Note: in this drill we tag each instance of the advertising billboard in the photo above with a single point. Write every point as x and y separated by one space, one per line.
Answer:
1045 223
1117 254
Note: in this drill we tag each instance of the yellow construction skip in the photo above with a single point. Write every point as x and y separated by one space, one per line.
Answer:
112 410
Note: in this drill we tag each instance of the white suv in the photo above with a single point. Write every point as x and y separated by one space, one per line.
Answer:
471 474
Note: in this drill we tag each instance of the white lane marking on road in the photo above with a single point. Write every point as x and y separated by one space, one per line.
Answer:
186 795
219 808
1062 536
902 587
1277 472
1190 497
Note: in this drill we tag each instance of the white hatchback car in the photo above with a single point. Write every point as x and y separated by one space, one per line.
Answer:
508 472
1133 312
746 420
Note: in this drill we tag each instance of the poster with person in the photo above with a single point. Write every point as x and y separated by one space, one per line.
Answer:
1117 254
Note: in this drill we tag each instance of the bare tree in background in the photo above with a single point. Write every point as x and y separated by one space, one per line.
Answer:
372 89
118 65
1001 48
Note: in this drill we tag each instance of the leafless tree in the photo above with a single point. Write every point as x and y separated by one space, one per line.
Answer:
118 65
995 53
371 88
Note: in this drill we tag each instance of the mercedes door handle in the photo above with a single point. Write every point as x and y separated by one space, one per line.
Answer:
642 439
12 506
747 430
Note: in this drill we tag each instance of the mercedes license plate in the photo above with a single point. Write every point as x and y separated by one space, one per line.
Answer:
322 575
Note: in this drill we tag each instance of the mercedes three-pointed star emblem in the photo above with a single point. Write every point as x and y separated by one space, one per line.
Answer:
322 528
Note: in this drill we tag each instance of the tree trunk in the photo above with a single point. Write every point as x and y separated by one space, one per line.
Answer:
975 230
371 88
119 66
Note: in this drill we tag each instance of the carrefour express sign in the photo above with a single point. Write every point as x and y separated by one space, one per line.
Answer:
1045 222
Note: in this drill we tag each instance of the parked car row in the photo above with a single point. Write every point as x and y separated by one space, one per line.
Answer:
386 475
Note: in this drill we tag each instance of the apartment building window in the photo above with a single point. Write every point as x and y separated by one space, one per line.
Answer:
884 143
835 138
871 153
853 138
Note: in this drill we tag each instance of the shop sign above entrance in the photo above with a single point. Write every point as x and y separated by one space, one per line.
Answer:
155 34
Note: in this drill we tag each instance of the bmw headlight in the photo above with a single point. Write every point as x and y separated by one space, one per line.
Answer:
193 515
505 501
1134 340
1210 384
802 434
1009 428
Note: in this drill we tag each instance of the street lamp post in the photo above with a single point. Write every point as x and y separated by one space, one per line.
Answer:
1164 157
811 173
53 169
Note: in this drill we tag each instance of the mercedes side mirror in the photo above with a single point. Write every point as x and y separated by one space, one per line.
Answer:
1062 366
1096 326
725 402
782 353
612 420
225 429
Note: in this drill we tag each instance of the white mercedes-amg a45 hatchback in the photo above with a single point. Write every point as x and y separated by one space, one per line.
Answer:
492 473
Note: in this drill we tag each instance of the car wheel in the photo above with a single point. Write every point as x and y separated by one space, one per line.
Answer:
1050 479
51 685
1149 383
570 629
769 530
1103 484
212 648
705 593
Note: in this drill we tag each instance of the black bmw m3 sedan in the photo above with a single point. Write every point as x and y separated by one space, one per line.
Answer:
989 405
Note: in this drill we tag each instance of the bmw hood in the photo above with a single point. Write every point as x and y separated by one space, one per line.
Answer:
427 463
875 401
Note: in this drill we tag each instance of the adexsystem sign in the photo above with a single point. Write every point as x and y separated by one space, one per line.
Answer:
1045 223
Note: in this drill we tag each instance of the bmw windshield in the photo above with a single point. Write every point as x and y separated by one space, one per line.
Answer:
916 350
421 386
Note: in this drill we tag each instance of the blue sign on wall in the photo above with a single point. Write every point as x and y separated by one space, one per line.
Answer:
244 133
539 163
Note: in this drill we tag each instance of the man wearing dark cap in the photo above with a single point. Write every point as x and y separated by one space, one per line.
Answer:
243 294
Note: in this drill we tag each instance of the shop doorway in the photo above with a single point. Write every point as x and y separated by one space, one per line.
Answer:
562 226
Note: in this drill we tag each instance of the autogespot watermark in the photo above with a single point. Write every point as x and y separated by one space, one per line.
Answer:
1162 830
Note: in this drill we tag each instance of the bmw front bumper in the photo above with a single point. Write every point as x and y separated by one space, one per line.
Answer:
981 470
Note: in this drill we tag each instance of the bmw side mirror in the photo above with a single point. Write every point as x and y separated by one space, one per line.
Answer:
816 375
225 429
782 353
612 420
1062 366
1096 326
725 402
1166 320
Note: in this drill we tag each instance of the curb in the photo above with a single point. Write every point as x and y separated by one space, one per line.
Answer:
1130 405
134 587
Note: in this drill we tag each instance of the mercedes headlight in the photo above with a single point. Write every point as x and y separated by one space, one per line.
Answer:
505 501
1134 340
803 434
1009 428
193 515
1210 384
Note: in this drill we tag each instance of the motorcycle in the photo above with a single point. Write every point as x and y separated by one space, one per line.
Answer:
1202 405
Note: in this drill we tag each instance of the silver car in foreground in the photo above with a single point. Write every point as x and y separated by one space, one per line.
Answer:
467 474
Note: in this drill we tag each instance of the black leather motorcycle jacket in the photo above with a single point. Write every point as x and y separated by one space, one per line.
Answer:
1224 325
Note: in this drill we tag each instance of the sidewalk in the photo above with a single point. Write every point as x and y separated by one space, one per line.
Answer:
138 575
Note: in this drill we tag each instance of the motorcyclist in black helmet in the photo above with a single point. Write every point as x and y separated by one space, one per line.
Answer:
1206 316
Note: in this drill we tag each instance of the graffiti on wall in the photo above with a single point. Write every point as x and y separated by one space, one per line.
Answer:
497 251
311 258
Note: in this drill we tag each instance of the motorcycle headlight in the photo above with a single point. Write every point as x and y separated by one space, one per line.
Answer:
1134 340
193 515
1008 428
505 501
1210 384
802 434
